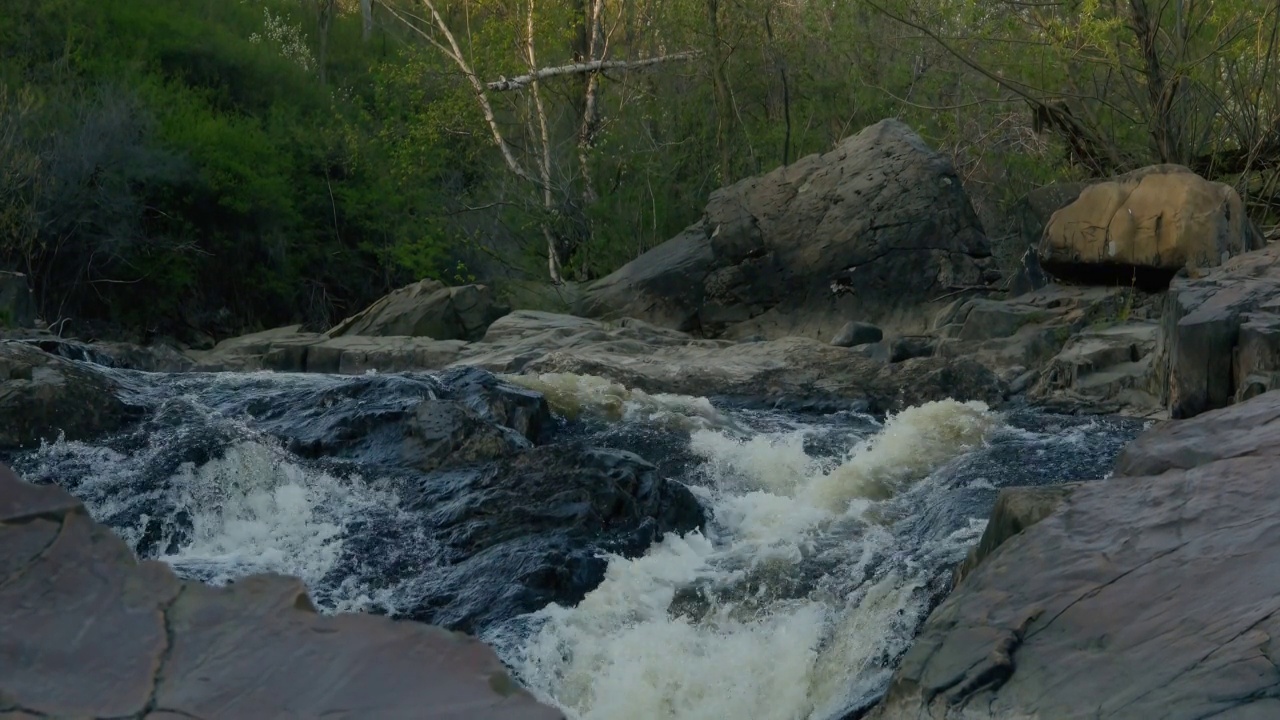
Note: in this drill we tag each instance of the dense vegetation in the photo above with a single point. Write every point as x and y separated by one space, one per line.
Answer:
209 166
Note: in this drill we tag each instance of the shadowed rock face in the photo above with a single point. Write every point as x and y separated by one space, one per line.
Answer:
112 637
42 395
882 215
1143 596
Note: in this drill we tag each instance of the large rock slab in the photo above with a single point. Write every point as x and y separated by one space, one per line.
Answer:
874 230
43 396
1145 226
1143 596
1214 338
88 631
427 309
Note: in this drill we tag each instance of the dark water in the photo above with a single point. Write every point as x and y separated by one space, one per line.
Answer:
829 535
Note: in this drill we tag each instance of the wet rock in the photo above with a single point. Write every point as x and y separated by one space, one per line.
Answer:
1153 594
427 309
1144 226
533 525
876 229
857 333
42 396
17 307
112 637
147 358
465 416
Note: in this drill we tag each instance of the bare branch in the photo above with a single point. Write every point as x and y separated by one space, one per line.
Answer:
519 83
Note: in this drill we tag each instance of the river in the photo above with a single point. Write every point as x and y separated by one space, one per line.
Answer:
830 535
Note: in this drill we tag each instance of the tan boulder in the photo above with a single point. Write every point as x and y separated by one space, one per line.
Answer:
1161 218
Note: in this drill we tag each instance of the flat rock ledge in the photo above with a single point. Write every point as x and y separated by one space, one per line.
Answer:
1154 594
88 631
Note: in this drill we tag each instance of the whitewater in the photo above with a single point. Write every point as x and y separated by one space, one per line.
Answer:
830 537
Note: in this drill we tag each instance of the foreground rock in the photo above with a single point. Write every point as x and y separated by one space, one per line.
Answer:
1220 335
113 637
43 396
1153 594
882 216
1144 226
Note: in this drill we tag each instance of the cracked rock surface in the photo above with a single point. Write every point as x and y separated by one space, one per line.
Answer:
87 631
1154 594
882 215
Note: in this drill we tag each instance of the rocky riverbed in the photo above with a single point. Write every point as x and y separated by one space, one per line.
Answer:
748 475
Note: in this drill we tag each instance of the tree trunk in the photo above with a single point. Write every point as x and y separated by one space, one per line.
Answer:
720 86
366 14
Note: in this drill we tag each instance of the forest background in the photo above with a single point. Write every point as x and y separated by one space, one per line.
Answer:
200 168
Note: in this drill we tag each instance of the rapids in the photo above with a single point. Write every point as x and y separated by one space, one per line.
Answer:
830 536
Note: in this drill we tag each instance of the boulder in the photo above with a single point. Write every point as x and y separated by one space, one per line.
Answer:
427 309
114 637
158 357
1202 333
535 525
17 307
1153 594
1016 509
43 396
857 333
1143 227
876 229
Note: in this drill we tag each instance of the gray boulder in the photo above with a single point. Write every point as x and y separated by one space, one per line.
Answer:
878 229
427 309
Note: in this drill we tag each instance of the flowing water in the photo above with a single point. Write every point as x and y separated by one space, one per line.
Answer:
830 536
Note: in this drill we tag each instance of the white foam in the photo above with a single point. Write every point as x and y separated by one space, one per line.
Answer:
707 628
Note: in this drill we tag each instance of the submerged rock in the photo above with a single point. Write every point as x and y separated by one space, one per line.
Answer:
114 637
1153 594
42 396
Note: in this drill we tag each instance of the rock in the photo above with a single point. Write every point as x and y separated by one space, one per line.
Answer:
1144 226
1101 365
1153 594
876 229
905 347
114 637
1033 211
535 524
17 307
43 396
857 333
1029 276
1257 357
427 309
1196 368
1016 509
464 416
149 358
